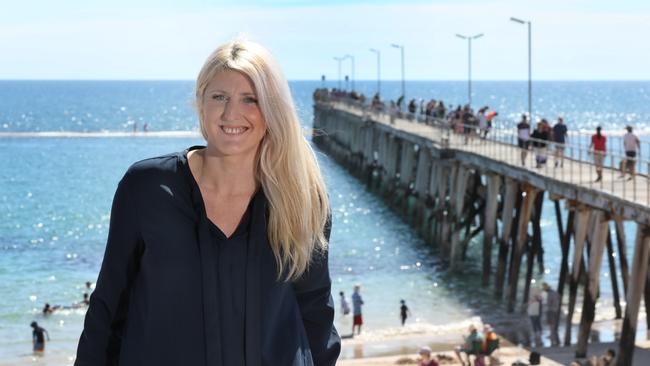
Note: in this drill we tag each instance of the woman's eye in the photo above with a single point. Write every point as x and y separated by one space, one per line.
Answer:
219 97
250 100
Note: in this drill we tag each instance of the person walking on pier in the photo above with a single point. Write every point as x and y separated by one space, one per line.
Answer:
523 137
559 137
631 144
357 302
599 148
552 312
540 136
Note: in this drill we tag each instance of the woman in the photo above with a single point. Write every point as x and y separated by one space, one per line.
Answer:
217 255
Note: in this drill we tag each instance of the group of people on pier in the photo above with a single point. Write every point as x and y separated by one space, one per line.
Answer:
463 120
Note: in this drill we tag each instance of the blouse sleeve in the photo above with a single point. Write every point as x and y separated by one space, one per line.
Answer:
314 295
100 340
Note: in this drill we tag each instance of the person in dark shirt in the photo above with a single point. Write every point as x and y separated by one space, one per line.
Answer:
559 137
38 337
540 138
404 311
218 255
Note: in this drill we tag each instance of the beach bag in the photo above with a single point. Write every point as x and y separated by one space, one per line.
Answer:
534 358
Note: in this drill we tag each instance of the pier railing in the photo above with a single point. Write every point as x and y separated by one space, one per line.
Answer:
575 166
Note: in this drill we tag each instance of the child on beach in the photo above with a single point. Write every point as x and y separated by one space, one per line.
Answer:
38 338
345 306
426 360
357 301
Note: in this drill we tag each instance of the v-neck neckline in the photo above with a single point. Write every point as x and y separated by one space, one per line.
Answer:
244 222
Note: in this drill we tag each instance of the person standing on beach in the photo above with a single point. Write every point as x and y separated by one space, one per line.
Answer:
631 144
559 137
404 311
218 255
552 309
535 314
598 147
357 302
523 137
345 306
38 338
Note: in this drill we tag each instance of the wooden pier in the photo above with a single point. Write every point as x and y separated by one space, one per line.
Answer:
453 187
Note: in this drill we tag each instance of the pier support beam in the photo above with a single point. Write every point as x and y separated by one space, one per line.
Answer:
565 243
458 204
490 224
522 237
599 239
509 199
622 252
613 276
636 285
582 222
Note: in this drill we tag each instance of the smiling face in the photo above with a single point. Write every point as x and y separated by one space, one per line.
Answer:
231 116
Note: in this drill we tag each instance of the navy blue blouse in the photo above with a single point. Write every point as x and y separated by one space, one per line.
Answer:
231 274
159 300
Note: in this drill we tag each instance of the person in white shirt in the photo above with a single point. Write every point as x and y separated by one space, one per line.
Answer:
345 306
631 144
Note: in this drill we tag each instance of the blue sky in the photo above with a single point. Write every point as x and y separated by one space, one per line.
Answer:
146 39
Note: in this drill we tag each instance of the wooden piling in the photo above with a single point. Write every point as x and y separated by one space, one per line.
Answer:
457 194
599 229
582 221
636 285
566 244
613 276
493 188
535 244
622 252
509 198
522 238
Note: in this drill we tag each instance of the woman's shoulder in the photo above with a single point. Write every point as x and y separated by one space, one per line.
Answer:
155 168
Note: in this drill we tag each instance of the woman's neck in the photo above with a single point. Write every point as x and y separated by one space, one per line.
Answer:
226 175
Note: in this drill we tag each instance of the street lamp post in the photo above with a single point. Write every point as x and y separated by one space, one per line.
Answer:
401 47
469 64
530 75
351 58
339 59
378 70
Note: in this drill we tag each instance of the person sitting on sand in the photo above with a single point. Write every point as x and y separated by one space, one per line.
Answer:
471 346
490 344
607 359
425 357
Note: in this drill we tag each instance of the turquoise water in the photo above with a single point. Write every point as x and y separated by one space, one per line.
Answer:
55 196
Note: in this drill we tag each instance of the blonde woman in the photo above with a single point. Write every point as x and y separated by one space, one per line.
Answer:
217 255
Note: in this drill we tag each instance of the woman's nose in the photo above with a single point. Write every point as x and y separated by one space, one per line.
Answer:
230 111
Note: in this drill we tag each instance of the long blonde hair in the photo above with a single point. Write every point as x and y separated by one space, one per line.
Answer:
287 168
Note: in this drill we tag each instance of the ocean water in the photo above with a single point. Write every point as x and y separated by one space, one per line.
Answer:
55 197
